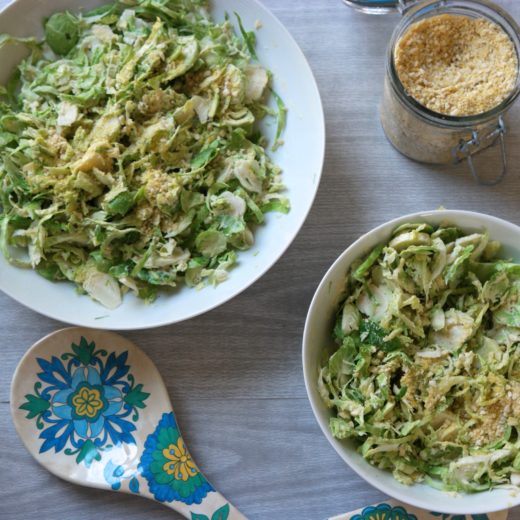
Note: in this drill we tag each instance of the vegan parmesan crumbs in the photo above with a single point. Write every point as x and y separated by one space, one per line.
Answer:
455 65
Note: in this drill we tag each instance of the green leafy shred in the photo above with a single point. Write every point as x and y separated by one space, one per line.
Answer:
281 121
130 151
360 272
426 374
62 32
248 36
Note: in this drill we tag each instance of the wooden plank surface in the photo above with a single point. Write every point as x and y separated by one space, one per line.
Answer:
234 374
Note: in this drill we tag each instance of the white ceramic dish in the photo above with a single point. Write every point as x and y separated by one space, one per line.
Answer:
301 158
317 336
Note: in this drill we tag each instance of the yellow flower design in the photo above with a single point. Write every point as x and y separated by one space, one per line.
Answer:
179 464
87 402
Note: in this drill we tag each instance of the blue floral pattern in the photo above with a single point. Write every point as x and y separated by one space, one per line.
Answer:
384 512
85 402
168 467
115 474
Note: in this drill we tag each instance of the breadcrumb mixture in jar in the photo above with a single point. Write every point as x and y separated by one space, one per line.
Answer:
452 74
456 65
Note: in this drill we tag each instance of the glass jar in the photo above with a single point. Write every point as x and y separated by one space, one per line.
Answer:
427 136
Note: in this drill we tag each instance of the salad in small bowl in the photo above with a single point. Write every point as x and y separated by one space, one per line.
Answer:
411 356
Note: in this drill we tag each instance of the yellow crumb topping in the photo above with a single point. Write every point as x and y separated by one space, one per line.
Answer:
456 65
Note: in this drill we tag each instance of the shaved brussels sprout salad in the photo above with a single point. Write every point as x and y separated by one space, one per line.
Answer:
130 156
426 378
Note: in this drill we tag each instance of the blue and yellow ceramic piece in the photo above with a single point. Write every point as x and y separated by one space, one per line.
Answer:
85 401
92 408
168 467
395 510
384 512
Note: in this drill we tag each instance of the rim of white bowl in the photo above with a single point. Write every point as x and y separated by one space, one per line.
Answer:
321 144
362 468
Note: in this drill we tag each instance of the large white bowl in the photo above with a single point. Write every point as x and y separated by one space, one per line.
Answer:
317 337
301 158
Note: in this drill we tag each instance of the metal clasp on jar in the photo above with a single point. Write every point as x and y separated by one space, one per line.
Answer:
478 142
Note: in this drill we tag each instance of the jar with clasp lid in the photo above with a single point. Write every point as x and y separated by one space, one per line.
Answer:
452 73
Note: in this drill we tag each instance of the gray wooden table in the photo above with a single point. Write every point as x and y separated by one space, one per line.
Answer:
234 374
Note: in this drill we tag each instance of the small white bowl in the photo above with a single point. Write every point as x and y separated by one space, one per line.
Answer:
317 336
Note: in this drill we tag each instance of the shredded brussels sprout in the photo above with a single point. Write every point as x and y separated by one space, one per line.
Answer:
130 156
426 378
